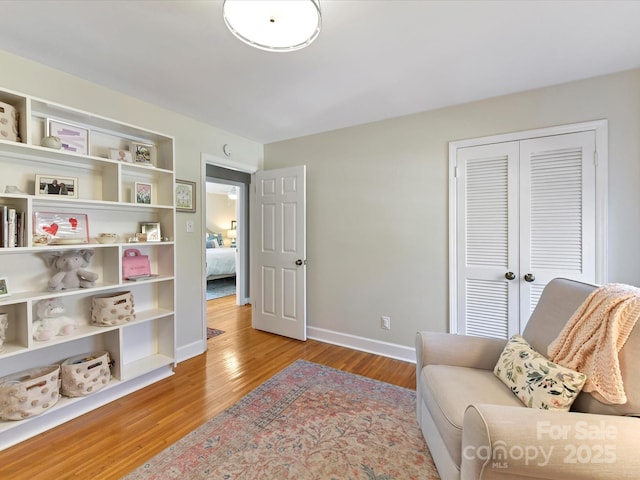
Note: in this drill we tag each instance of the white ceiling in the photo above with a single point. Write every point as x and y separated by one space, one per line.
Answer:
374 59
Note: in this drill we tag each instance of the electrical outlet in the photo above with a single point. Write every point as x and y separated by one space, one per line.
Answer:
385 322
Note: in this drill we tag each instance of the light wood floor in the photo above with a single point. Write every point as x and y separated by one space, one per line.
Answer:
111 441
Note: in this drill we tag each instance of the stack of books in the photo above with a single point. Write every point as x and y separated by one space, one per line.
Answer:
12 227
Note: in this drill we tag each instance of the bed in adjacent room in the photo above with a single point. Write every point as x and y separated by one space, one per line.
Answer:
221 260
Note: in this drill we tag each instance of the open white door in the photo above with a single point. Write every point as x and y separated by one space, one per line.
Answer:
279 273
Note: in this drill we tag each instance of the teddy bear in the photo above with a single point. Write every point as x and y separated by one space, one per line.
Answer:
51 320
69 267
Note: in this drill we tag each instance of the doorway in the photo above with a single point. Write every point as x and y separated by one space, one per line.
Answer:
231 183
221 239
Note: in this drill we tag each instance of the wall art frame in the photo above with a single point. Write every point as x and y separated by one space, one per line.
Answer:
185 196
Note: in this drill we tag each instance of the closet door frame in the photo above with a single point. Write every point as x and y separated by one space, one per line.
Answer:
600 128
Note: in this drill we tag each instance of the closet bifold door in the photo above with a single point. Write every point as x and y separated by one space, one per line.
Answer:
487 240
557 213
525 214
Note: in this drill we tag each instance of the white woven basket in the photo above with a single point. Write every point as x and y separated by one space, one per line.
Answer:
85 374
29 393
113 309
8 122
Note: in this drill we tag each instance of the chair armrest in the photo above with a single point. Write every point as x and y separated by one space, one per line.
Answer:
507 442
434 348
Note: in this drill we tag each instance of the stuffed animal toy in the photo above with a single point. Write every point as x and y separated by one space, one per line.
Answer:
51 320
69 267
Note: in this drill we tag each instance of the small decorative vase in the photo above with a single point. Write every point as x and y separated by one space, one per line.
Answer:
52 142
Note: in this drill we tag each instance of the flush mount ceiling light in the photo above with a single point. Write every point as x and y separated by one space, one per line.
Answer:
274 25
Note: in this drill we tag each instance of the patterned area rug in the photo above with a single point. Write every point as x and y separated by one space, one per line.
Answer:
221 287
213 332
307 422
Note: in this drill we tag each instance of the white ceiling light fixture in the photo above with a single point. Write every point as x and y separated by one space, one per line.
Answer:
274 25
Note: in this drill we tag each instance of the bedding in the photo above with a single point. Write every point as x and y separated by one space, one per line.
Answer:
221 262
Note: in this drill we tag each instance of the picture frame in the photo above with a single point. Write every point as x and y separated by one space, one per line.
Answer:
143 153
151 231
74 138
56 185
142 193
233 225
185 196
4 287
53 228
120 155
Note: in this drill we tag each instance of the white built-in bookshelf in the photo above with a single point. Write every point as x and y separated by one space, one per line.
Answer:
104 186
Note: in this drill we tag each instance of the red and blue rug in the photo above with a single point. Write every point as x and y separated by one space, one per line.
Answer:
307 422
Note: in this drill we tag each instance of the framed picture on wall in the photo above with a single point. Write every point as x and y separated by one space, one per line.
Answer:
185 196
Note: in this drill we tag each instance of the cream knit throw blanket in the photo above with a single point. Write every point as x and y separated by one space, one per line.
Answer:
591 340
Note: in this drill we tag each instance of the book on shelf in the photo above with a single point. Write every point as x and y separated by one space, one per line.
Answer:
12 227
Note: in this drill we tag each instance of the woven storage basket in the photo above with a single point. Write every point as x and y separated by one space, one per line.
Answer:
29 393
113 309
8 122
85 374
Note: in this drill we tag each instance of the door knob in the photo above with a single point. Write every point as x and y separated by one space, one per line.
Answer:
509 275
529 277
299 262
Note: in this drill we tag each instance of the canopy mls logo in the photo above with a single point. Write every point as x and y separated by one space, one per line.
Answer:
582 443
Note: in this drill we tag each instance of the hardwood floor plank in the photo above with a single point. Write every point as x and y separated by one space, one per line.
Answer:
109 442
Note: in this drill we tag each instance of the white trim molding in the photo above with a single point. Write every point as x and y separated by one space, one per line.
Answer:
385 349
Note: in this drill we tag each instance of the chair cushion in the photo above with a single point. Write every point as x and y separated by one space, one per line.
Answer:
448 390
536 380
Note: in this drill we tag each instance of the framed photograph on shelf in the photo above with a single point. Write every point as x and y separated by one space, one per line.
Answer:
74 138
142 193
50 228
151 231
185 196
143 153
57 185
120 155
4 287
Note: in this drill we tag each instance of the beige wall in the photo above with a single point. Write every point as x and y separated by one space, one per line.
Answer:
377 193
192 138
220 211
377 201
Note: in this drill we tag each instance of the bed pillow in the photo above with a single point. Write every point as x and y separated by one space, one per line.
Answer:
534 379
211 241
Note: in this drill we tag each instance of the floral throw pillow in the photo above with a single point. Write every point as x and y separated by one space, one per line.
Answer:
534 379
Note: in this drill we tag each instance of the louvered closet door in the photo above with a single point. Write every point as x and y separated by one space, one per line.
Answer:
528 208
487 239
557 214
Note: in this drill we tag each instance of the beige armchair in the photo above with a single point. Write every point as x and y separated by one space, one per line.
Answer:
476 428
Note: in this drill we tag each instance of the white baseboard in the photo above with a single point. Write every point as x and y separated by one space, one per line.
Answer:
385 349
192 350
